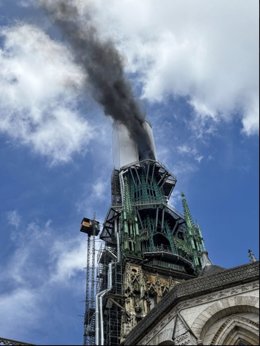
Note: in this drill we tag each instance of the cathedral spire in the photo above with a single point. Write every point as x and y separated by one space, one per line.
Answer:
187 213
194 234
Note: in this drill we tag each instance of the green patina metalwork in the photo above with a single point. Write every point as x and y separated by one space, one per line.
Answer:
146 192
148 225
194 234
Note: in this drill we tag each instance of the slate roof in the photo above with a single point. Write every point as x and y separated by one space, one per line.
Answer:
211 270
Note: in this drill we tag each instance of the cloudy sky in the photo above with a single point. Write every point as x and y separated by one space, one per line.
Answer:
193 66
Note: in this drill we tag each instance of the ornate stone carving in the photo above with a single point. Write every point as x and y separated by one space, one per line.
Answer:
197 291
235 321
142 291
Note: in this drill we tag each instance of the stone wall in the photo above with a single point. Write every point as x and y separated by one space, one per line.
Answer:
224 311
142 292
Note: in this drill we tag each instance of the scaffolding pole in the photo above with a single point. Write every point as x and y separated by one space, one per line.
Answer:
91 228
89 317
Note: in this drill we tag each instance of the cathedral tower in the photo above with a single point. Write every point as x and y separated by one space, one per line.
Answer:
149 247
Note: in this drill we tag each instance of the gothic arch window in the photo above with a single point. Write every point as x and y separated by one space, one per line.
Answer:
236 330
232 326
224 308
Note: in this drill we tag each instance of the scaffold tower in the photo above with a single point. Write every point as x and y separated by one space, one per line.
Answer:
91 228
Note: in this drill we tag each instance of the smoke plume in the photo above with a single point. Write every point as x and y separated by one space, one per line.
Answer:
104 68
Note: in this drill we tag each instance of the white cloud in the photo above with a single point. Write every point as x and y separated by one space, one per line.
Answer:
176 201
95 194
250 121
184 168
13 218
20 310
205 51
199 158
42 263
39 247
185 149
69 258
39 86
98 196
99 189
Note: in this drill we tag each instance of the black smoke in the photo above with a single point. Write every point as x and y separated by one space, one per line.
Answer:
104 68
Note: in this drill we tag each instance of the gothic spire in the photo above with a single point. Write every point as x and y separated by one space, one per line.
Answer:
187 213
194 233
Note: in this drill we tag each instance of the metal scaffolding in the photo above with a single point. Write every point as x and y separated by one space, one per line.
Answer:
109 297
91 228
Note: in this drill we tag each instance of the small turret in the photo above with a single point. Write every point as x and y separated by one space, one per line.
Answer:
208 268
205 260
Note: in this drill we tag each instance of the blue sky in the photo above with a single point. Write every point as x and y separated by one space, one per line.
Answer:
194 69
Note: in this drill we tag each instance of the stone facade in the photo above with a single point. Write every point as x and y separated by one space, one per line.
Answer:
217 309
142 291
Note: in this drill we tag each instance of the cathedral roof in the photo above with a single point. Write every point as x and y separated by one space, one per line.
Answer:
211 270
207 267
